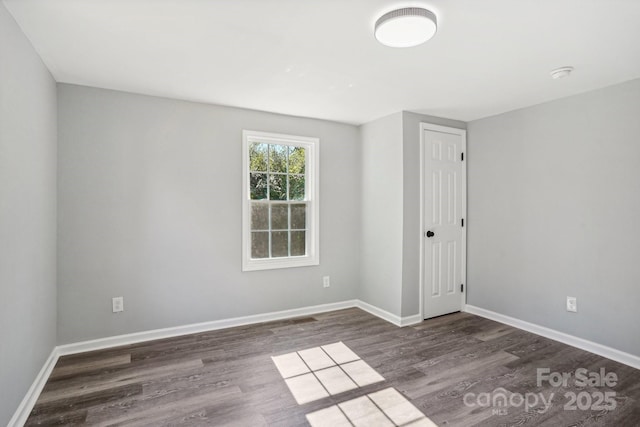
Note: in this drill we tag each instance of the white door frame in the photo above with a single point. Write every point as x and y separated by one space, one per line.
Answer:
463 134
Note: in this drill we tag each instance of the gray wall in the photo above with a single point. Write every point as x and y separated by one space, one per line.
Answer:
381 201
554 209
150 209
412 234
27 215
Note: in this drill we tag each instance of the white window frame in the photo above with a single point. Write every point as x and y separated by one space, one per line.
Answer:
312 184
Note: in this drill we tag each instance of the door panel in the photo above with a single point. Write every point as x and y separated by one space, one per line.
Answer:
443 261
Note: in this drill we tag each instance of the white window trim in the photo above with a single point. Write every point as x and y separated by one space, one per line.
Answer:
312 184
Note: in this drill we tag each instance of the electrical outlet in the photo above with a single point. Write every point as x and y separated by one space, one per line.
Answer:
572 304
117 303
326 281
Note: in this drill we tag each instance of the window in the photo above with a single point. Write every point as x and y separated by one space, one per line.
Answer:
280 201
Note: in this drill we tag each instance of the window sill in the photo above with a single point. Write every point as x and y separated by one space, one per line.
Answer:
272 264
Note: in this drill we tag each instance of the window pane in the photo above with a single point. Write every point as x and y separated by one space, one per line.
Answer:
298 246
259 216
296 160
298 217
296 187
278 158
279 244
258 186
278 187
260 245
258 157
279 217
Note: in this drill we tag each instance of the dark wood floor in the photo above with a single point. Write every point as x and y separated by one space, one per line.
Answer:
227 377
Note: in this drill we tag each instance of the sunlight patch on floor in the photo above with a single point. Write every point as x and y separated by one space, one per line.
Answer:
383 408
328 370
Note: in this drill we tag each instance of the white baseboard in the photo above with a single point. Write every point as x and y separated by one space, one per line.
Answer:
411 320
599 349
25 407
378 312
137 337
389 317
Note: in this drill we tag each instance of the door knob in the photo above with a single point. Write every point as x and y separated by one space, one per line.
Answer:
430 233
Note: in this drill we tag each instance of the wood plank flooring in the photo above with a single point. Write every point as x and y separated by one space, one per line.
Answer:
227 377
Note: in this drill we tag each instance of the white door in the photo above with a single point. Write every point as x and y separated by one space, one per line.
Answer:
444 204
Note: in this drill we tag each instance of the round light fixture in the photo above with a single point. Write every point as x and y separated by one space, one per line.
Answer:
406 27
562 72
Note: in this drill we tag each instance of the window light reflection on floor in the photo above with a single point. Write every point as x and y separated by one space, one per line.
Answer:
319 372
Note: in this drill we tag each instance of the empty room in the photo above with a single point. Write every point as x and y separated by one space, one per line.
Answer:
320 213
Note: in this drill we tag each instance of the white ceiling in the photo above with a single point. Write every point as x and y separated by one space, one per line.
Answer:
318 58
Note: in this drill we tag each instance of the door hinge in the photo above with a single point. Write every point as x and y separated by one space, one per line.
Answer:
462 157
461 287
462 222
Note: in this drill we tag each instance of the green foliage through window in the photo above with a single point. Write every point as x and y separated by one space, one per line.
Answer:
277 172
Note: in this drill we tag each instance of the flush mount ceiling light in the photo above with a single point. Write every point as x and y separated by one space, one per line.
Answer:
406 27
562 72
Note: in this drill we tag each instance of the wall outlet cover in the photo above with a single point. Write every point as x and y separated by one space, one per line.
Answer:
326 281
572 304
117 304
